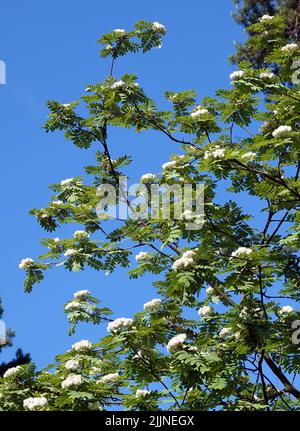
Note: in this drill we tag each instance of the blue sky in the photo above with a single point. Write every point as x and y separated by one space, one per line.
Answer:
51 52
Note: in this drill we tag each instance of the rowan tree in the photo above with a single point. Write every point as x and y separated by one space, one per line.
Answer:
219 333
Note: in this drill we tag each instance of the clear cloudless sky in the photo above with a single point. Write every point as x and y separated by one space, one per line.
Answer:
51 52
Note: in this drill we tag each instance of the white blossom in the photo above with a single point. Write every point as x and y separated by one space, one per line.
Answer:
73 305
122 323
267 75
159 28
82 345
57 203
35 403
205 311
242 252
225 332
287 309
70 252
12 372
81 294
249 157
169 165
94 371
282 131
189 254
176 342
290 47
142 255
117 84
183 263
72 380
67 182
80 234
147 178
119 31
72 365
152 305
112 377
210 291
199 113
141 393
237 74
265 18
26 263
66 105
215 153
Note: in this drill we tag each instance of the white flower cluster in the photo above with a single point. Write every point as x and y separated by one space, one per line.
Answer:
237 74
267 75
282 132
72 365
35 403
188 215
26 263
70 252
169 165
152 305
199 112
80 234
159 28
118 84
287 309
119 31
122 323
176 342
67 182
141 393
186 260
81 294
142 255
225 332
71 381
290 47
147 178
73 305
206 311
210 291
82 345
265 18
241 252
57 203
112 377
249 157
12 372
215 153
